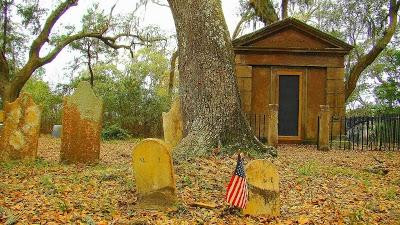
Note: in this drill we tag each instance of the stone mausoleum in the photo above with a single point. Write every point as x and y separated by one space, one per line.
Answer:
297 67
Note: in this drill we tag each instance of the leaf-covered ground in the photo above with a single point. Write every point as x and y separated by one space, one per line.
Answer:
335 187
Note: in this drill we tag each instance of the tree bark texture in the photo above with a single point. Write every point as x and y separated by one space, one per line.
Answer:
211 107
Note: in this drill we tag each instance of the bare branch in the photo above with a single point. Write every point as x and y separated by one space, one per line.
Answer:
48 26
157 2
247 16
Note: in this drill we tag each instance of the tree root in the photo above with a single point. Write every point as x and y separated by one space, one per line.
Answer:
195 145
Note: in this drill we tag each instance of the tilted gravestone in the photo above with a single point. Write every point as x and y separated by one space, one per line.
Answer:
172 124
154 174
81 126
20 134
263 184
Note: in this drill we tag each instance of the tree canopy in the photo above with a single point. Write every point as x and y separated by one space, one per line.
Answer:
20 57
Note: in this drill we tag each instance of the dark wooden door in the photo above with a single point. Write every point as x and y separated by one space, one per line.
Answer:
288 116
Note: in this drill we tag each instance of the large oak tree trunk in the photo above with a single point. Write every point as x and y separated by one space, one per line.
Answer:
9 94
210 102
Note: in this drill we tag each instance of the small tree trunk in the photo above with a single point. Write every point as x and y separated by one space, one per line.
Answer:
210 102
89 63
284 8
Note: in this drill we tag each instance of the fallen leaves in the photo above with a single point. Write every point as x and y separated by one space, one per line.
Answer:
316 188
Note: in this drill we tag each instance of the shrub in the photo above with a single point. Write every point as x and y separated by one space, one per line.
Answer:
114 132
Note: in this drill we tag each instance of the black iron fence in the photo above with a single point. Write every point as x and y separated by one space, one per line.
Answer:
258 124
365 133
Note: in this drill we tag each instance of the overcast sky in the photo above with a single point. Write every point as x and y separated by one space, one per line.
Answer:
154 14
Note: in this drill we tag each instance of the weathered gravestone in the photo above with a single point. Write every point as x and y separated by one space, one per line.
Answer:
20 134
172 124
81 126
56 132
154 174
1 116
263 184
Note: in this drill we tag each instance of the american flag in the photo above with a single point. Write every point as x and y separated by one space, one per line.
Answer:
236 192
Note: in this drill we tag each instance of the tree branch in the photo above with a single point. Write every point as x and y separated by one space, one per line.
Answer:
89 63
381 44
246 17
5 24
265 10
43 37
157 2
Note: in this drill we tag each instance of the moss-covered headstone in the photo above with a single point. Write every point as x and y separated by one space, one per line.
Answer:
81 126
154 174
20 135
263 184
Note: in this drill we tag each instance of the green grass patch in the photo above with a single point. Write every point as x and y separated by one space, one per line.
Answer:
357 217
47 183
9 165
38 163
310 168
347 172
366 181
187 181
397 182
391 193
89 220
62 205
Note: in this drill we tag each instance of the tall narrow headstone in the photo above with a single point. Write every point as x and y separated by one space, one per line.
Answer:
272 125
20 134
81 126
154 174
263 184
172 124
324 120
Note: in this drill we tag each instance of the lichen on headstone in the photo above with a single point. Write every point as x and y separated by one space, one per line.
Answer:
263 183
90 107
81 126
154 174
20 135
